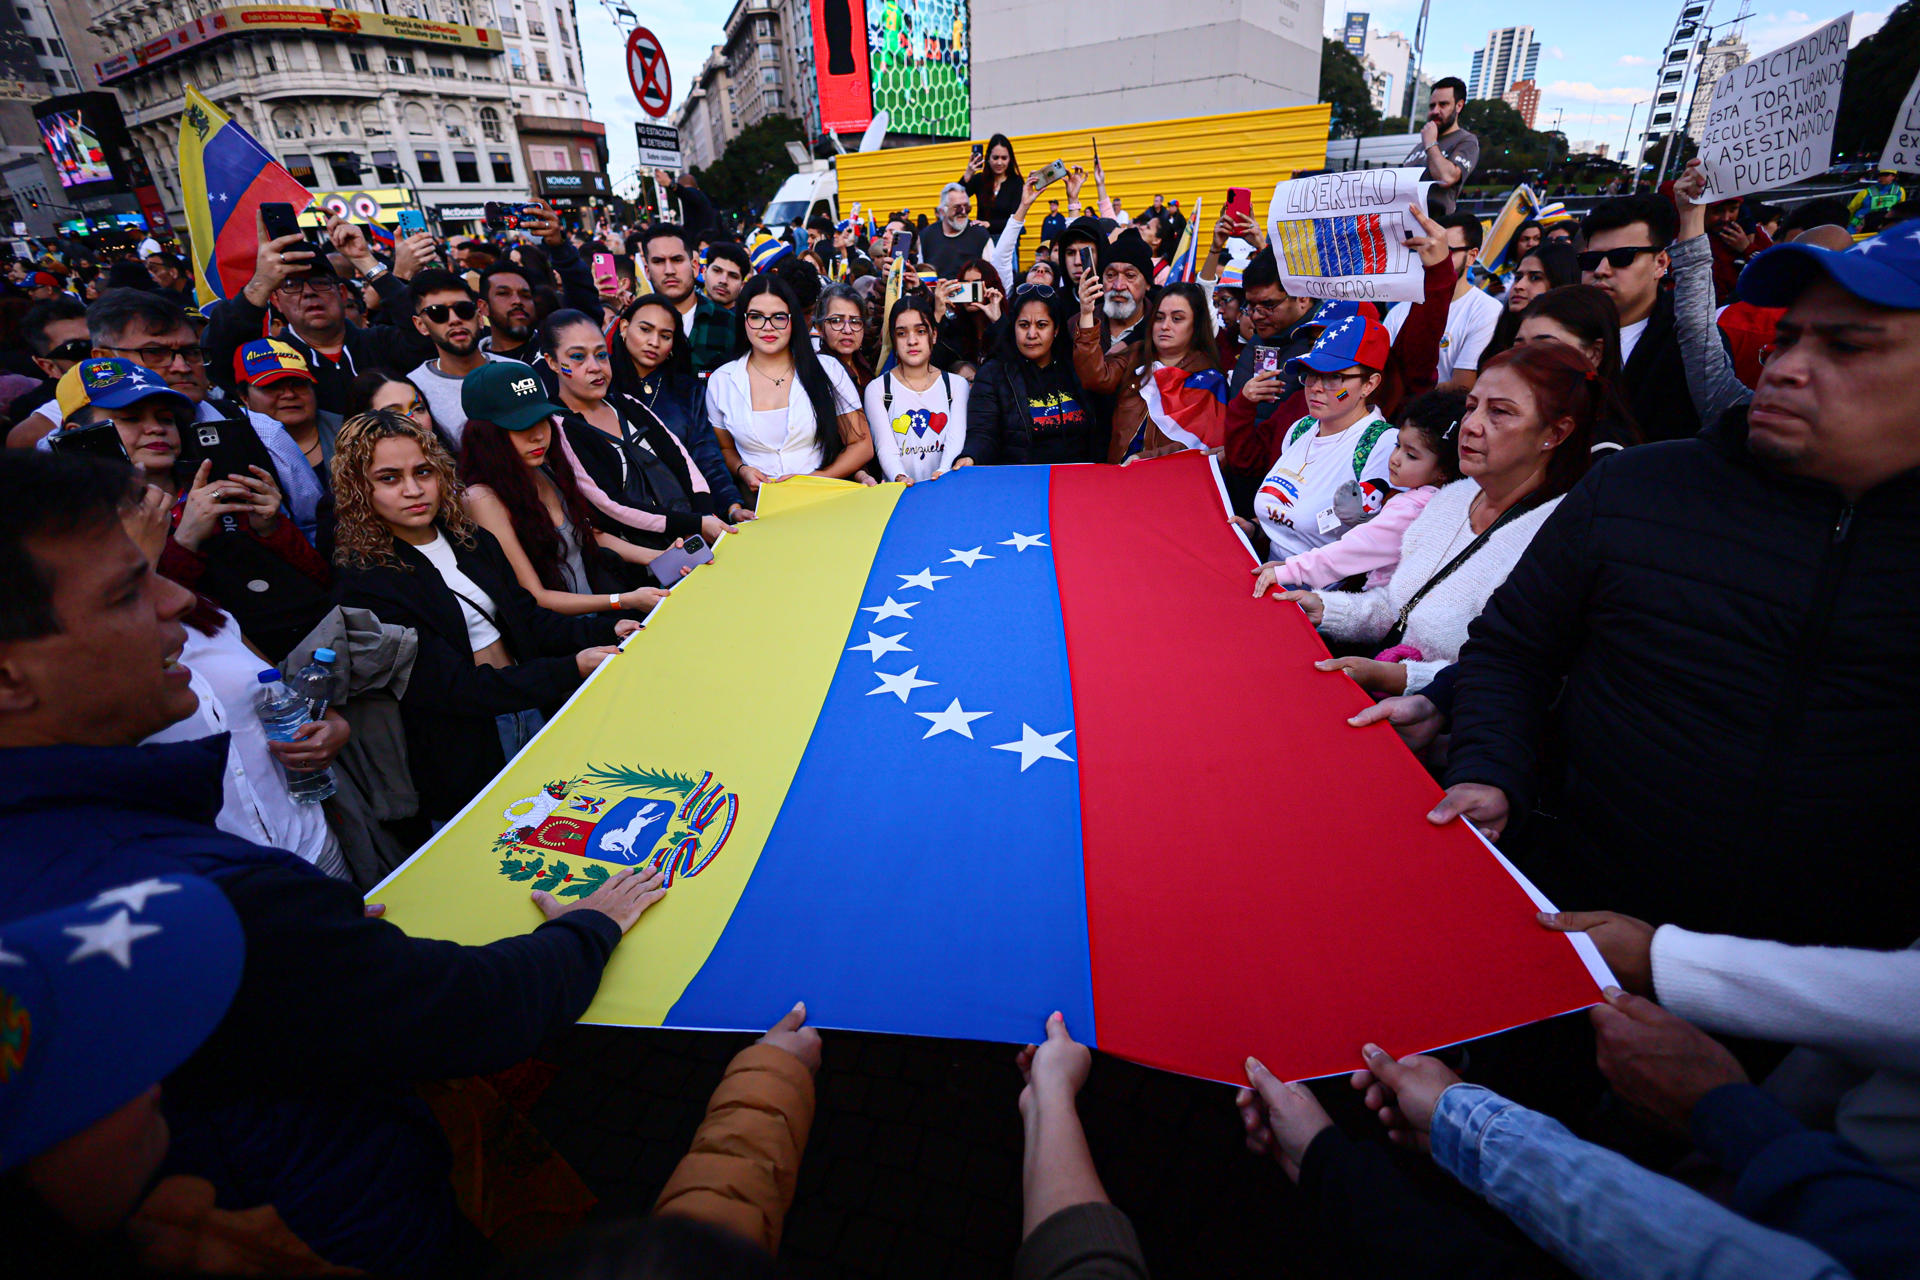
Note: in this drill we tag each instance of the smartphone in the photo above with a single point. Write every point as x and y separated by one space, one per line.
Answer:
1083 255
667 565
977 152
1052 173
412 222
233 447
1239 203
1096 150
1266 360
281 219
970 291
509 217
606 276
96 440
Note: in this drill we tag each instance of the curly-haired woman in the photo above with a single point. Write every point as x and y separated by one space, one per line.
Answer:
491 662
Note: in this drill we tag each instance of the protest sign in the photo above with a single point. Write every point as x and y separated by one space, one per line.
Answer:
1344 235
1903 144
1770 121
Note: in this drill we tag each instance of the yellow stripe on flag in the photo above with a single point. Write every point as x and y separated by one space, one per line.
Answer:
728 681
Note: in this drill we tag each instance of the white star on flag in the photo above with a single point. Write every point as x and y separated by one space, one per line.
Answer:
925 578
133 895
7 957
1021 541
903 684
891 609
966 558
114 938
952 720
878 644
1037 746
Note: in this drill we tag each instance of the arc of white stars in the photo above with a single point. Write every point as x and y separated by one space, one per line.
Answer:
1037 746
879 644
113 937
1021 541
891 609
901 685
954 719
967 558
925 578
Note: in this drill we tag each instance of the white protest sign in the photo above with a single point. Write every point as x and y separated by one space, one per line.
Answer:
1903 144
1770 121
1344 235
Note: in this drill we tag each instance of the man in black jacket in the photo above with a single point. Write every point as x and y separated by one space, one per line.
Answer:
1733 620
1626 256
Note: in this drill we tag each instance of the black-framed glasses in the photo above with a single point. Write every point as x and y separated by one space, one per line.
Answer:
1618 259
842 324
437 312
1029 289
71 349
1266 308
159 357
307 284
761 320
1314 378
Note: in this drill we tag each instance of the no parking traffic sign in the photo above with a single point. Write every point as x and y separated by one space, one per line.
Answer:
647 71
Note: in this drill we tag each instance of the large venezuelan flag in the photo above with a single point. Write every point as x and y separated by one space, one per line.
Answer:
225 176
941 760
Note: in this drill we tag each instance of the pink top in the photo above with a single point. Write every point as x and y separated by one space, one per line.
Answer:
1372 548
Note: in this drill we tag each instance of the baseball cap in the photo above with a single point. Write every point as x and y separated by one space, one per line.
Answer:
507 394
1334 310
102 999
1353 339
113 384
267 360
43 280
1884 270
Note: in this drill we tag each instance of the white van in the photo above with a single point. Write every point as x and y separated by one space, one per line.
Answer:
813 190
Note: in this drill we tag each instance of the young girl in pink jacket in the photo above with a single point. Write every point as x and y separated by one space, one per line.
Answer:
1428 457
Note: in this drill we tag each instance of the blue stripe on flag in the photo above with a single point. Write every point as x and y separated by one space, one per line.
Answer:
232 162
932 885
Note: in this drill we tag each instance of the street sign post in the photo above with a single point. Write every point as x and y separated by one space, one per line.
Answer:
659 146
647 72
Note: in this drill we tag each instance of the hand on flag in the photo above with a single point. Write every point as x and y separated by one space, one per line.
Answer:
623 899
1403 1092
1281 1119
792 1035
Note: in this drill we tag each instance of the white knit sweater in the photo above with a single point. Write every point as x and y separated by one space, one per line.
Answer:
1438 626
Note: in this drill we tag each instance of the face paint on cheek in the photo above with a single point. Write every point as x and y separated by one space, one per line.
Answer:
1343 395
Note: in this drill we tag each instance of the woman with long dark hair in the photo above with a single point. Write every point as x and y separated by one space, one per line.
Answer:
638 476
779 410
966 328
1177 338
1026 405
1543 267
1584 318
653 366
993 180
1524 443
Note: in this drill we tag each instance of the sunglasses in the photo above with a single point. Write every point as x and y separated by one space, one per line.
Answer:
1618 259
437 313
1029 289
72 349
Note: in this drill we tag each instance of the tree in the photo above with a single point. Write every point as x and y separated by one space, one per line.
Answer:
1880 70
1506 144
753 166
1397 124
1343 86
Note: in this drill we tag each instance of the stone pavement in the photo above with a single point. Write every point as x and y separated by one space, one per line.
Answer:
913 1168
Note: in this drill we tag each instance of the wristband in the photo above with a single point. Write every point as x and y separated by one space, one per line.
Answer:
614 600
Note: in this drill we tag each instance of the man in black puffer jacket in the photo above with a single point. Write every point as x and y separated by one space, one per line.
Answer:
1736 619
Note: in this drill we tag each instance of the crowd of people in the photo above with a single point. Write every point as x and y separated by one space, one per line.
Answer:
1626 547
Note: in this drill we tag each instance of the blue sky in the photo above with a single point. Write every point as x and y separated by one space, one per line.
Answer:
1596 60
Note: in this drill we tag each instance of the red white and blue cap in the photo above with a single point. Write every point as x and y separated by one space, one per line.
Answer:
1884 270
108 383
1348 340
1334 310
101 1000
267 360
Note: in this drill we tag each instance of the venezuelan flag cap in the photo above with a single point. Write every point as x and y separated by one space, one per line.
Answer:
768 251
1350 340
266 360
114 384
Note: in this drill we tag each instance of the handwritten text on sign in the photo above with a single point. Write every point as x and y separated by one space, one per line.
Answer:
1771 120
1344 235
1903 144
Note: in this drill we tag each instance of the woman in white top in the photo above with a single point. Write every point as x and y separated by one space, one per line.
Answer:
1524 442
780 410
918 412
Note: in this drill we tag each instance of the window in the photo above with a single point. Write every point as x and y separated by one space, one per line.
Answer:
66 78
386 164
53 47
588 160
502 167
359 59
285 123
440 72
763 27
540 61
490 125
773 99
466 167
560 29
455 120
535 27
400 64
301 167
26 14
346 168
510 24
519 62
416 117
568 64
769 75
429 165
372 123
769 53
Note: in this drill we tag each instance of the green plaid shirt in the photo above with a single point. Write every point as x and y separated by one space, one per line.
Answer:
715 331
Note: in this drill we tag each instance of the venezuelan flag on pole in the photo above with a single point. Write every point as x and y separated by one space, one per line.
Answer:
225 176
910 756
1185 266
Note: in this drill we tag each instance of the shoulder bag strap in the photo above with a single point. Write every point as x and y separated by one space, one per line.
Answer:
1399 630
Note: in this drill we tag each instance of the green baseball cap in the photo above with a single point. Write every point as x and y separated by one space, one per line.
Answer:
507 394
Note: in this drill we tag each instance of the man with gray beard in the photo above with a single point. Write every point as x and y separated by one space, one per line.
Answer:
956 237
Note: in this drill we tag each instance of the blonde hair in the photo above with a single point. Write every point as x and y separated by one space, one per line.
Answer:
362 540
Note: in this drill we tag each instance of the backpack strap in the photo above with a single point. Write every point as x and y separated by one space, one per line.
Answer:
886 393
1368 438
1301 428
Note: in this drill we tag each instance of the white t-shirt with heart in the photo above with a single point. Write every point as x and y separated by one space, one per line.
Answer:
922 432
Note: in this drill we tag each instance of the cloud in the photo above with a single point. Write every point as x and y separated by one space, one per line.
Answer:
1583 91
1556 53
1634 60
1771 30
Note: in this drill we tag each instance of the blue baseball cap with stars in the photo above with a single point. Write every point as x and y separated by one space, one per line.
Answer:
1884 270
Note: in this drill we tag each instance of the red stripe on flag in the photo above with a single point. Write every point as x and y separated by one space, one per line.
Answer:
1293 919
1373 247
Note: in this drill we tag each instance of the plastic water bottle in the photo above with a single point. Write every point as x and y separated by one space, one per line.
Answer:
314 682
283 712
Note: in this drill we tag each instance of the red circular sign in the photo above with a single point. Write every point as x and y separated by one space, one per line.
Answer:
647 72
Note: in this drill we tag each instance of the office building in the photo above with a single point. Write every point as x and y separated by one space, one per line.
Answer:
553 117
1523 96
1387 59
705 116
1510 54
757 61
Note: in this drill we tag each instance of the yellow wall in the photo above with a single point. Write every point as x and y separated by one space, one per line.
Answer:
1194 158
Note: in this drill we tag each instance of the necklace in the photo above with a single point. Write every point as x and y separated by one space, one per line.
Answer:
769 377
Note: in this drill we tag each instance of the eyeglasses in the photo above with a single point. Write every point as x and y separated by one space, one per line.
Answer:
1266 308
1618 259
760 320
159 357
437 312
72 349
294 288
1314 378
841 324
1030 289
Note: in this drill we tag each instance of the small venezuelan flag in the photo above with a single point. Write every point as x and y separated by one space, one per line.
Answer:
225 176
768 250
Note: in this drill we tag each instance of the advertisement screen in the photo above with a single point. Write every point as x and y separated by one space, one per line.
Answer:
1356 33
840 65
917 56
78 153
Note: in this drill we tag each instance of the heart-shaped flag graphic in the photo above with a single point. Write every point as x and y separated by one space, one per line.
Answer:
936 422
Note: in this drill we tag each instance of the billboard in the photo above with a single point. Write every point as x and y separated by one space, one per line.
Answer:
918 59
86 137
840 65
1356 34
79 155
294 19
